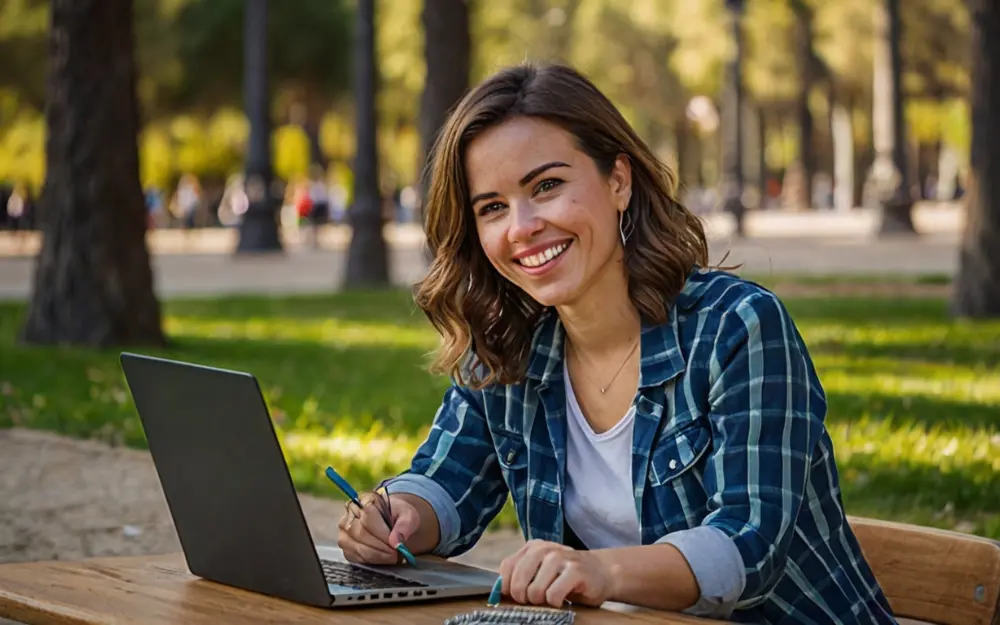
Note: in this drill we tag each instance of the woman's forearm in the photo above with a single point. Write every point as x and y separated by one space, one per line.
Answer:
654 576
428 534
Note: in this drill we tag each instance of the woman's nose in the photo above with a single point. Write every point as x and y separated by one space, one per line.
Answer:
525 223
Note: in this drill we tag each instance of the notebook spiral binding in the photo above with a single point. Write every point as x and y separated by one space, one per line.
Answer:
514 616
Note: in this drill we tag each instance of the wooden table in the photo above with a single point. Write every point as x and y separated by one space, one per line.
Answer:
159 590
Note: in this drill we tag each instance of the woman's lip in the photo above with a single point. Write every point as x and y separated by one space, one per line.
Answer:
541 247
545 268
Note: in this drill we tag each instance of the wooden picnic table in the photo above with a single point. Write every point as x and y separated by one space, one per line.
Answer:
159 590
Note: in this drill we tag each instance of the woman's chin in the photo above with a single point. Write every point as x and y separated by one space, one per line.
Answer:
552 295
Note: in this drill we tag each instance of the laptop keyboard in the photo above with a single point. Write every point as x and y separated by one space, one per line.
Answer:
346 574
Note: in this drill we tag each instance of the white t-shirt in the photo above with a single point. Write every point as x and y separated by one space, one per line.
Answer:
598 500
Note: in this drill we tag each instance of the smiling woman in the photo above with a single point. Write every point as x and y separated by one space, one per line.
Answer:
658 424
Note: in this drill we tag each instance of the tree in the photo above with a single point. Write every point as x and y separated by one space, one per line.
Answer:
93 284
259 229
447 54
807 78
891 172
22 47
977 286
367 254
309 48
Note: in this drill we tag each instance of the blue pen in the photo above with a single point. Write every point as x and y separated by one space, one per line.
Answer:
495 594
352 494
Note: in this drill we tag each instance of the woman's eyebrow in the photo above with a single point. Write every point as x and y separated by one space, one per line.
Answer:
528 177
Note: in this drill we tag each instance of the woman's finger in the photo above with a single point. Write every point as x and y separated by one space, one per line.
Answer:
361 533
551 566
524 572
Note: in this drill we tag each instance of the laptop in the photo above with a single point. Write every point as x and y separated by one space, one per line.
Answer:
234 507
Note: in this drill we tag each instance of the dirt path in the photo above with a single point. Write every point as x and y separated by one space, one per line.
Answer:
66 499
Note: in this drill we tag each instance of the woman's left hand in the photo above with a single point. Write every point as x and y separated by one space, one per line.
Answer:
544 572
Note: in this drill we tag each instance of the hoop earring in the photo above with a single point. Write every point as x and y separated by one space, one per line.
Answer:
625 225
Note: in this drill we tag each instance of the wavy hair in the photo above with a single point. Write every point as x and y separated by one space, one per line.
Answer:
487 323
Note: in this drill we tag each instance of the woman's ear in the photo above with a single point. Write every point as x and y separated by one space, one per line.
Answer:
621 182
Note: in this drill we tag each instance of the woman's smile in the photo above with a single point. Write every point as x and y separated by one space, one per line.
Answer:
542 258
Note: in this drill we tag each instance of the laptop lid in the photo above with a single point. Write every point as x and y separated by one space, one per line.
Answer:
226 482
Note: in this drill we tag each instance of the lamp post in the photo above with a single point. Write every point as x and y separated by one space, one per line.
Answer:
732 126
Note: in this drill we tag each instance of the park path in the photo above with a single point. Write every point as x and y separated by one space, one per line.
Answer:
68 499
199 262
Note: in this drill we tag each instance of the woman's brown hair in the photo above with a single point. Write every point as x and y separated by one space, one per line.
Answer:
487 323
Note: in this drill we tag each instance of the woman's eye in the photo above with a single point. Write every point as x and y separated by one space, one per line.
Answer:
489 208
547 185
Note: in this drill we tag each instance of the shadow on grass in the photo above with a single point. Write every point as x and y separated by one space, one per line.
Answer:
391 305
983 355
923 493
927 412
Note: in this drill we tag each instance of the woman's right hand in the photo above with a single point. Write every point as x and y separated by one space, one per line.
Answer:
364 537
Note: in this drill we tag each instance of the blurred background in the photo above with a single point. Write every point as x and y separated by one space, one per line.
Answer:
813 83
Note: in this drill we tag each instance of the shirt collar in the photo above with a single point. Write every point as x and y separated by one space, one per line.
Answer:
661 356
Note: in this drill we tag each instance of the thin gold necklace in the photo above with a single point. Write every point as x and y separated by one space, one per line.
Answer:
631 351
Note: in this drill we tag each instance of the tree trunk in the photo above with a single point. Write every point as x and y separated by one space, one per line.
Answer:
977 286
732 126
446 50
367 254
259 230
807 73
93 284
891 170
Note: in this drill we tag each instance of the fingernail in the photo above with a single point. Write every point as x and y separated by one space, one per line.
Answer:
402 549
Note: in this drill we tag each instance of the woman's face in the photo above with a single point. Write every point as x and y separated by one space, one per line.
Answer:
547 218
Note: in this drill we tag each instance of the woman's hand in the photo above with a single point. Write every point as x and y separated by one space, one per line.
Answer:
544 572
364 536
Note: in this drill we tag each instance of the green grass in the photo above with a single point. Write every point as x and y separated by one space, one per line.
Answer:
914 397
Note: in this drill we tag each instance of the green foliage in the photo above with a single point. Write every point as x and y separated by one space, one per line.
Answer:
650 56
914 399
308 50
22 156
23 48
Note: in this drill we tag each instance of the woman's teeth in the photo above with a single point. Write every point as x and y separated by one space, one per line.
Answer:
537 260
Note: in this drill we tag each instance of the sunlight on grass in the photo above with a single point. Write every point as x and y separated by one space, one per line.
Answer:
984 389
914 398
330 332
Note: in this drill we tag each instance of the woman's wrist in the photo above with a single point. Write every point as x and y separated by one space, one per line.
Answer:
655 576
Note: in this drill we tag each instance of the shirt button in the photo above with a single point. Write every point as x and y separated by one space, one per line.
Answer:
673 465
511 455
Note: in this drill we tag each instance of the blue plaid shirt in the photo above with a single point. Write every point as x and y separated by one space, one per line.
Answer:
729 440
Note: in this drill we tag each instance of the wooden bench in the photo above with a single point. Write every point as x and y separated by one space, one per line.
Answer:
931 575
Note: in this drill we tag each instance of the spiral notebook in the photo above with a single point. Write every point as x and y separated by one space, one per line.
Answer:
514 616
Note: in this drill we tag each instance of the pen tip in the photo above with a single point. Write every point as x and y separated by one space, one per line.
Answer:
495 594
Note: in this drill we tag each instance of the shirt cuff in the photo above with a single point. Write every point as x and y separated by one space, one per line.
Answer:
717 565
440 501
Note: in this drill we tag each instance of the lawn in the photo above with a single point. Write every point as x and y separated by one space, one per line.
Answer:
914 398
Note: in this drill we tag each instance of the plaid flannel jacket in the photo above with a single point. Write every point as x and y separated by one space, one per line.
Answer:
728 433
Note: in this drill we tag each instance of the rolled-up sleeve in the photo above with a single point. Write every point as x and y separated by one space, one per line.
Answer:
456 471
766 412
717 566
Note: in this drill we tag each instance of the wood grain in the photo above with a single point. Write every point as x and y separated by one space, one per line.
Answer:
158 590
932 575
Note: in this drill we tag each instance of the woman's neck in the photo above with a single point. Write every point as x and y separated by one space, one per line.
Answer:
604 321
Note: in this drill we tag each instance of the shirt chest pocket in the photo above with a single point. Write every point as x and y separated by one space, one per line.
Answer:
677 453
512 455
